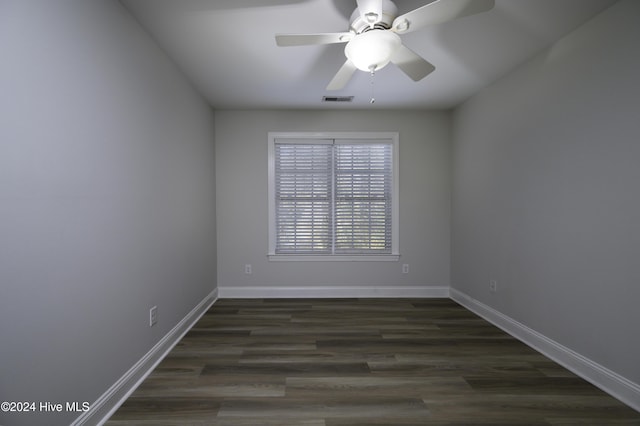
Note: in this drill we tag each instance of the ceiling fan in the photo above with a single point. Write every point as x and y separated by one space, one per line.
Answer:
373 38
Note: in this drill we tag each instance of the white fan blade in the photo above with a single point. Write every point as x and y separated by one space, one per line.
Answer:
343 76
411 63
307 39
438 12
370 11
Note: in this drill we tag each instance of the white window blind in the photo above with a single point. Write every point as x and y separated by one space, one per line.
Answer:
333 197
362 202
303 194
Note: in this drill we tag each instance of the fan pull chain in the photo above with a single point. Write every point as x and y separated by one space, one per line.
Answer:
373 98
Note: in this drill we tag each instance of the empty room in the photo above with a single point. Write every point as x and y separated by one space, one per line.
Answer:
319 212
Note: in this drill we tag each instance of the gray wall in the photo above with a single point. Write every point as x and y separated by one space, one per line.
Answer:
546 196
241 190
107 202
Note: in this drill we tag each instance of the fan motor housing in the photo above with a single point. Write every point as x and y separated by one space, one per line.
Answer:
389 13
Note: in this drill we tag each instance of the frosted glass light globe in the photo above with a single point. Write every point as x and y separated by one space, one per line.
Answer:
372 50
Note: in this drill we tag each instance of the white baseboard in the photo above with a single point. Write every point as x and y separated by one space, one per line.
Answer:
617 386
104 407
228 292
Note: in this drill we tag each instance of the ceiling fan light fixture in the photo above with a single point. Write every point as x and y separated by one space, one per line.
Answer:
372 50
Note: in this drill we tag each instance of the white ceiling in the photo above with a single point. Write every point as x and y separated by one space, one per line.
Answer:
227 49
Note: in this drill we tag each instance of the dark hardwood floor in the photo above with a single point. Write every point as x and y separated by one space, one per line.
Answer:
335 362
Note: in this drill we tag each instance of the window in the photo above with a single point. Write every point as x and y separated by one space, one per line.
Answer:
333 196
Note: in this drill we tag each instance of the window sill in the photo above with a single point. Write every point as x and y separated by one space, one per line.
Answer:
333 258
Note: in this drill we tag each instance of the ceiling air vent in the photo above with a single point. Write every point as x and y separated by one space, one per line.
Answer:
337 98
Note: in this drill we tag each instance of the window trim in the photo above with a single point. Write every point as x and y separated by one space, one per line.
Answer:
310 137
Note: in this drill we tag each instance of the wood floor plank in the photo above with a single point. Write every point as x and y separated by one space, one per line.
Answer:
338 362
526 407
218 387
292 369
532 385
445 368
165 408
328 407
350 386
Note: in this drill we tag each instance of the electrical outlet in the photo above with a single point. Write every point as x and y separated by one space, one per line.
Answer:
247 269
405 268
153 316
493 286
